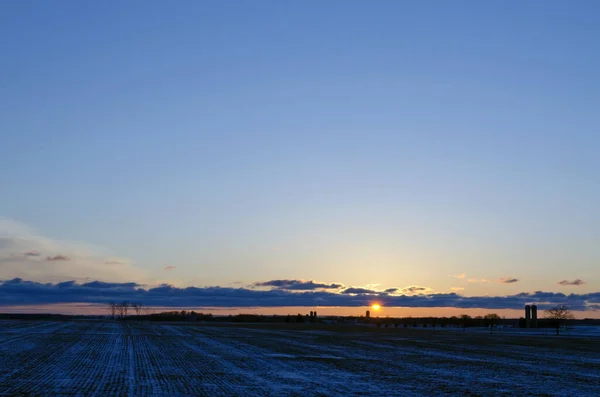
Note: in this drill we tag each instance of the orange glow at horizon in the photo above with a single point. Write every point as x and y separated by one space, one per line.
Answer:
376 306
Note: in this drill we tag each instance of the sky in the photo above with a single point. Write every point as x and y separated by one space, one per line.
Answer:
416 153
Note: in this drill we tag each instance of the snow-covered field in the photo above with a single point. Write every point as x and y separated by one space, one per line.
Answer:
146 359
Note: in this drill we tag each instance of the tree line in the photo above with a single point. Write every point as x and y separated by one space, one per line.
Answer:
121 309
555 318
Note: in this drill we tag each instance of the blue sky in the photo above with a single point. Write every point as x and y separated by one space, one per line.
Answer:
390 143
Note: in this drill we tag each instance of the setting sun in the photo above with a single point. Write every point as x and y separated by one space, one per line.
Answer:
376 306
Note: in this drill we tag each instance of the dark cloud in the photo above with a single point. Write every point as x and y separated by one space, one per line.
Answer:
57 258
22 292
509 280
357 290
100 284
574 282
32 253
66 284
113 262
170 267
391 290
297 285
414 288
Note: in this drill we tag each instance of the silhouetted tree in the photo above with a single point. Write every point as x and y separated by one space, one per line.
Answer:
454 321
558 315
112 308
122 309
491 320
137 307
465 320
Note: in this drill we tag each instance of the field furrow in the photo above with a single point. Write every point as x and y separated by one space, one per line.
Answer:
129 358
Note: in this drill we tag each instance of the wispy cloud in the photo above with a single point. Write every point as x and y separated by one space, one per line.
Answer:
57 258
26 253
170 267
114 262
574 282
462 275
457 289
478 280
509 280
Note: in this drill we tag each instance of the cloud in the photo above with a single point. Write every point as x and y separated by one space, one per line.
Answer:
574 282
21 244
103 285
297 285
170 267
478 280
7 243
509 280
462 275
58 258
457 289
22 292
413 289
358 290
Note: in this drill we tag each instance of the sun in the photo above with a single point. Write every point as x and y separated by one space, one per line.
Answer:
376 306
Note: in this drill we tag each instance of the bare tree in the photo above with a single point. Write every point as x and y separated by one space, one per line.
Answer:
122 309
125 307
119 310
137 307
558 315
112 308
